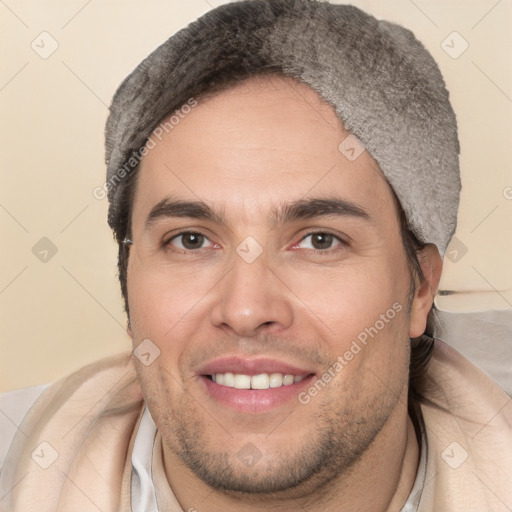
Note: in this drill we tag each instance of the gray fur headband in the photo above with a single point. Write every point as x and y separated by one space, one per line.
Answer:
382 83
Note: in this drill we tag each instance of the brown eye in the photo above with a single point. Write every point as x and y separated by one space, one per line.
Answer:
320 241
192 240
188 240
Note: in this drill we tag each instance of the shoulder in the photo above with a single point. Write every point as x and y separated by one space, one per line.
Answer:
468 420
14 405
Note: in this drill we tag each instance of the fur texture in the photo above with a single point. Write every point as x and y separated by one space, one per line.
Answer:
381 81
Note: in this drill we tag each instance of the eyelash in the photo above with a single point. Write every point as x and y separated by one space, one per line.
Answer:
339 247
342 243
167 243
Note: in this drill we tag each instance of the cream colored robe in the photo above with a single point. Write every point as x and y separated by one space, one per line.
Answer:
89 421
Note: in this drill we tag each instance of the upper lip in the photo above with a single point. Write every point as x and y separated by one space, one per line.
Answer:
251 366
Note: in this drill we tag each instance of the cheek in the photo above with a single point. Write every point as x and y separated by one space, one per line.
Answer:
162 304
350 299
362 313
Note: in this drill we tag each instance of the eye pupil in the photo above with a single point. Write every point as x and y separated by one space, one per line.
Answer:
192 240
322 240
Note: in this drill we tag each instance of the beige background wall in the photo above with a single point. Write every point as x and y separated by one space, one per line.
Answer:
62 308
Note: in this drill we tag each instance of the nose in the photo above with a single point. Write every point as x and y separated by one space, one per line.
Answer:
252 298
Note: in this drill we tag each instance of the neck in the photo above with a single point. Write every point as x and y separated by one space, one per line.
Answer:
381 480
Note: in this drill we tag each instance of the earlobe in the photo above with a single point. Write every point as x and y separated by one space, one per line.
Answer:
431 265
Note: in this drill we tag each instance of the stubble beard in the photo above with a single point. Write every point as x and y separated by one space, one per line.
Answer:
330 446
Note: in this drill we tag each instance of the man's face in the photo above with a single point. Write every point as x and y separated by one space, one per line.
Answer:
300 265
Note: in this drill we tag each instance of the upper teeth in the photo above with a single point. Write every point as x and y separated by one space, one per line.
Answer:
261 381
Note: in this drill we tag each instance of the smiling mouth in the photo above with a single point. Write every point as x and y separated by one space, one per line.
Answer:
260 381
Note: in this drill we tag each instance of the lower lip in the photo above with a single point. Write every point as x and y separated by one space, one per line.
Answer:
255 400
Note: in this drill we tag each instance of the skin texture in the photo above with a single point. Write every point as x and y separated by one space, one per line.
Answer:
246 152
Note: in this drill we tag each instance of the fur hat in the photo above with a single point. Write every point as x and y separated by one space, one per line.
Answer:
383 84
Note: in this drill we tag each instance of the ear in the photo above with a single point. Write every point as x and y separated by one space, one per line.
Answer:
431 265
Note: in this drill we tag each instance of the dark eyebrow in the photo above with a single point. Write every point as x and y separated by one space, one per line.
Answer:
296 210
176 208
319 207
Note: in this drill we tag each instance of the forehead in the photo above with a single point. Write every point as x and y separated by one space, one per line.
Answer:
267 140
